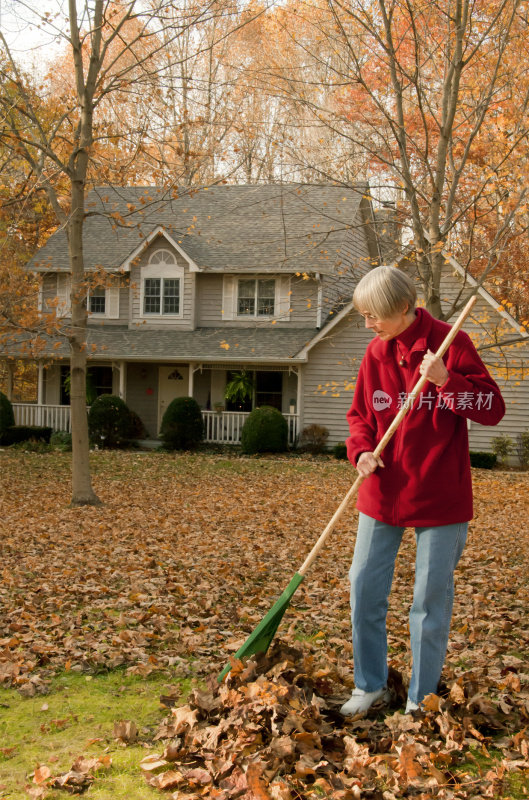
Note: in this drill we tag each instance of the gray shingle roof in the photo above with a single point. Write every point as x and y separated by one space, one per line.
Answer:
203 344
275 227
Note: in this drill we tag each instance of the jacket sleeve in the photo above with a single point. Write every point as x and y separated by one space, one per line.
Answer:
361 421
470 391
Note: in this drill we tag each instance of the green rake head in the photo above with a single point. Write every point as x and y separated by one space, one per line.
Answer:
259 640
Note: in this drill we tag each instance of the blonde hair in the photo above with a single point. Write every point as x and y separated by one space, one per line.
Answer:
384 292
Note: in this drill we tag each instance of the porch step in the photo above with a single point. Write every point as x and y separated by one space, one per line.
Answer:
149 444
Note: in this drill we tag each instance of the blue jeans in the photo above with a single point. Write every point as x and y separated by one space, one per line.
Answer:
371 574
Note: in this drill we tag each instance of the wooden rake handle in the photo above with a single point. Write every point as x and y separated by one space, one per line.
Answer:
385 439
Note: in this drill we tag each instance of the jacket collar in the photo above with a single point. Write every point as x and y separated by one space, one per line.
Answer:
413 339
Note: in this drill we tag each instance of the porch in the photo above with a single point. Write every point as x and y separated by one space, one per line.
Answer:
220 427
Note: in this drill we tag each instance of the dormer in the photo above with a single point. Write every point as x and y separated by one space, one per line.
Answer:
162 285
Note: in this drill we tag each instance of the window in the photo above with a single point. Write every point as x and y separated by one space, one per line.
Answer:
161 285
161 296
256 298
269 389
152 295
97 300
98 381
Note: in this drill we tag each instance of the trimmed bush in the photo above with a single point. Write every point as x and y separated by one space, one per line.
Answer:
265 431
340 451
313 439
502 447
26 433
109 422
33 446
182 424
483 460
522 449
136 428
62 440
7 416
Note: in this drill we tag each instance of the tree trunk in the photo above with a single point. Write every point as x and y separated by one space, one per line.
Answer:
82 492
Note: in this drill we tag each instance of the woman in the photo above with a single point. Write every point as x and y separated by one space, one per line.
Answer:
422 480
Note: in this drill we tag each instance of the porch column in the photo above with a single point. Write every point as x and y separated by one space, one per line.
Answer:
191 384
123 380
300 398
40 392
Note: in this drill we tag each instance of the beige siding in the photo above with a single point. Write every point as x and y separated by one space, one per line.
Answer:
209 300
514 385
329 375
52 385
187 320
510 370
49 290
303 302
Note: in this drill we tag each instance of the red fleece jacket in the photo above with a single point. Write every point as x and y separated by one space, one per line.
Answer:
426 479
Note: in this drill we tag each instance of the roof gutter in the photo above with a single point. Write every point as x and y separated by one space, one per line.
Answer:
319 310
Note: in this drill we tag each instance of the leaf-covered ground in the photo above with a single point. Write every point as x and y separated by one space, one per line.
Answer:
181 563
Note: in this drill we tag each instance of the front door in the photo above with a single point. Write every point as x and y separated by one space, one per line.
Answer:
172 382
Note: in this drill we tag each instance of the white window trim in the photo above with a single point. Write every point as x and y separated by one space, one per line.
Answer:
164 269
111 304
256 279
100 314
230 298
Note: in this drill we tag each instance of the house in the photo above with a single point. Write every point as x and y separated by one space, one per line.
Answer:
186 289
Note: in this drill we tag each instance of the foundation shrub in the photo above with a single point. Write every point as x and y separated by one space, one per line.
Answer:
7 416
109 424
482 460
340 451
502 446
313 439
265 431
522 449
182 424
26 433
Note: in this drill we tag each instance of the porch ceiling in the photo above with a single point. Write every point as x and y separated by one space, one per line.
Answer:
203 344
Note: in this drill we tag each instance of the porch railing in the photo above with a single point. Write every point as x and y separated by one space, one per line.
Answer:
225 427
222 427
55 417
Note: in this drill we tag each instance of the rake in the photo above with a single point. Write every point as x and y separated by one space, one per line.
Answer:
259 640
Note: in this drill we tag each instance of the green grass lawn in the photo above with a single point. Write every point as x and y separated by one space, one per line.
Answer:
76 718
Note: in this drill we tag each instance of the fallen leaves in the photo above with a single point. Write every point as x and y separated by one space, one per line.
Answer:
126 731
76 781
179 566
272 730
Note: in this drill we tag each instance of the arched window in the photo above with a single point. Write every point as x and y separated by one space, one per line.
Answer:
162 257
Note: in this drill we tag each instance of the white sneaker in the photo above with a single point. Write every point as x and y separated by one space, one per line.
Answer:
362 701
411 706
